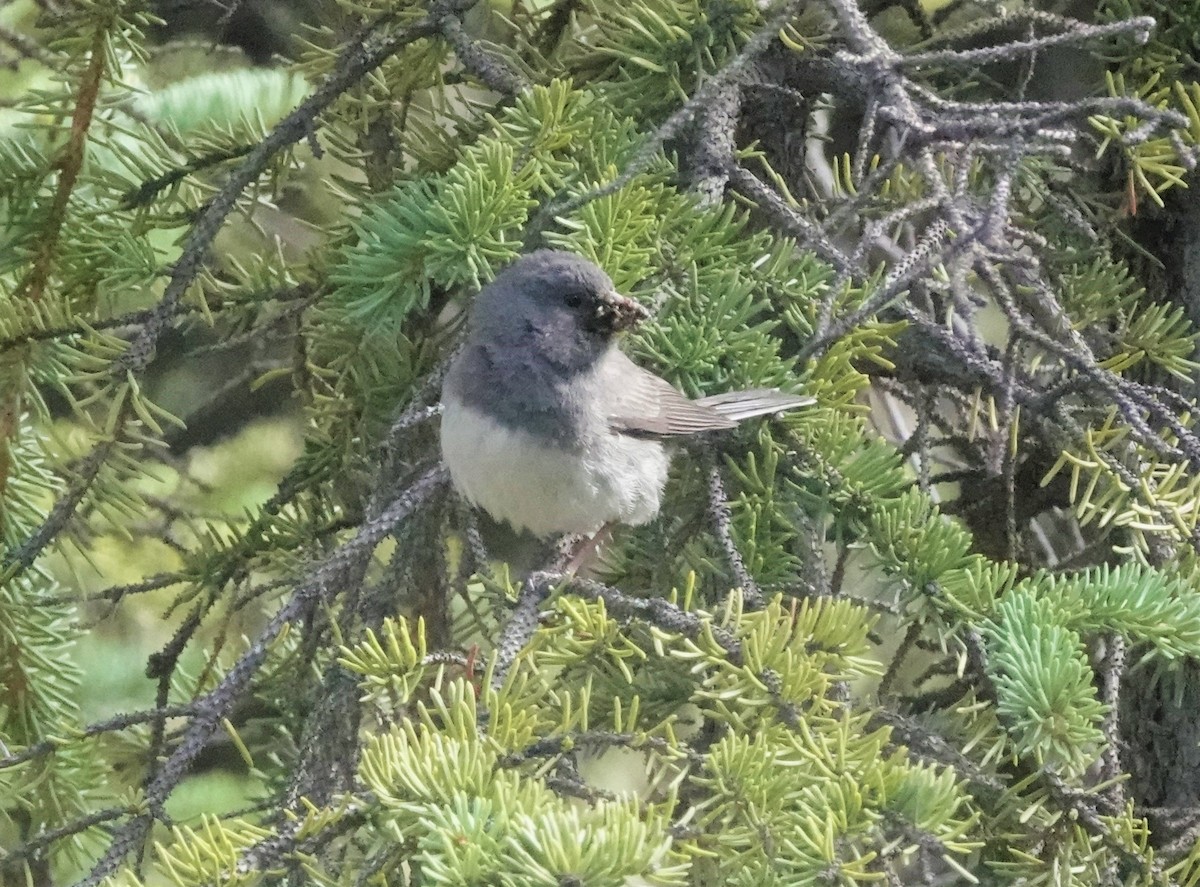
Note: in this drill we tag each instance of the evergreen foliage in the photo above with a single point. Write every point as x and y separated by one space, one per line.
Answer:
882 640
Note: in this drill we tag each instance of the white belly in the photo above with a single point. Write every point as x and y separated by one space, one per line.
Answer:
550 491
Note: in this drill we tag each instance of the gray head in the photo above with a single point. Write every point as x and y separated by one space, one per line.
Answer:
555 302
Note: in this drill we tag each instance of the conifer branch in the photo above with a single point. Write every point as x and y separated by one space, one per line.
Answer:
294 298
114 724
521 623
897 102
69 164
656 611
320 584
16 561
1085 808
147 191
1111 675
709 94
492 70
26 47
1073 33
719 515
35 847
958 200
359 58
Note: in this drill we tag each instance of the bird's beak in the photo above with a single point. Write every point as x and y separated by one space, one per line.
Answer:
617 312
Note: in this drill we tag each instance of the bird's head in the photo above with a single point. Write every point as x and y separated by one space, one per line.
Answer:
558 292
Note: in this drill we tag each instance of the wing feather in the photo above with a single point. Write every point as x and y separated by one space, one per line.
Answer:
642 404
739 405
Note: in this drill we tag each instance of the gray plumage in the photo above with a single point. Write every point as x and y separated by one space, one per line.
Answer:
547 424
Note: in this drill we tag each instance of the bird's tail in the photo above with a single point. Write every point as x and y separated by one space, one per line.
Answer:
739 405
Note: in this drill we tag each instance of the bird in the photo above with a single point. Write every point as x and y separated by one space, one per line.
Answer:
547 424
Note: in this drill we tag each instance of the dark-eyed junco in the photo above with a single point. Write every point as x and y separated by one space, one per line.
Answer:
546 424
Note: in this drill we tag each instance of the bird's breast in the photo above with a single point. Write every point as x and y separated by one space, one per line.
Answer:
550 486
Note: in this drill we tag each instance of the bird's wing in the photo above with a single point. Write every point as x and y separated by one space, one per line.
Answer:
640 403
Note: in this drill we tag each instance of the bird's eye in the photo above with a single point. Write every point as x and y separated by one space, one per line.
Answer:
573 300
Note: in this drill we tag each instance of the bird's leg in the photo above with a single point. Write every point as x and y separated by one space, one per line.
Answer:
580 551
564 549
